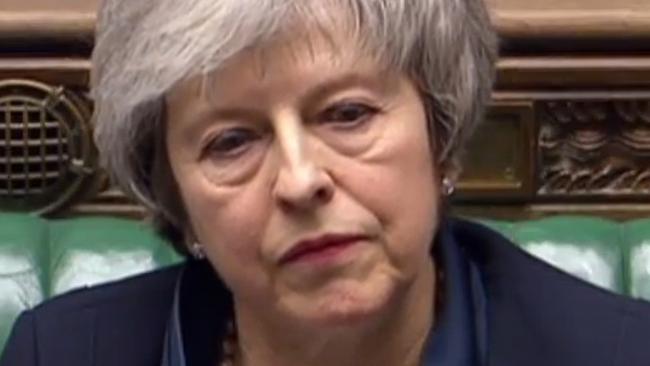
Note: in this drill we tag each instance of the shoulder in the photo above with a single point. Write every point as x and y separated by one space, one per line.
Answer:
502 260
541 313
123 321
137 291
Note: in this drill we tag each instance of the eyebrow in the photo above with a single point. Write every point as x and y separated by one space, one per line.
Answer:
323 89
342 82
203 119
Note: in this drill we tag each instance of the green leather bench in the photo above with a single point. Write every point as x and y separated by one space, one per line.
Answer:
41 258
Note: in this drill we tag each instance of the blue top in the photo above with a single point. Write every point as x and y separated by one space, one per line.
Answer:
457 339
537 315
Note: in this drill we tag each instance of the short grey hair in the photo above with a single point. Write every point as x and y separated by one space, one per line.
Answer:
145 47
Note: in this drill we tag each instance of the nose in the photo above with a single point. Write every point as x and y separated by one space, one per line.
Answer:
302 183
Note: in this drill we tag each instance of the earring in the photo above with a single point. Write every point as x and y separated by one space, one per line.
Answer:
448 187
196 250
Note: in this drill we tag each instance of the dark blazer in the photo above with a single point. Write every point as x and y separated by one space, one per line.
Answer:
535 316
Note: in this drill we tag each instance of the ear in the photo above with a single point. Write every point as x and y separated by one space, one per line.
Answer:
450 170
189 238
193 246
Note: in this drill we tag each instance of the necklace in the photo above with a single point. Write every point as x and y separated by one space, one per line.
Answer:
229 345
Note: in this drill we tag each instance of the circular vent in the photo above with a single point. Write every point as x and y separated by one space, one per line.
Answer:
45 146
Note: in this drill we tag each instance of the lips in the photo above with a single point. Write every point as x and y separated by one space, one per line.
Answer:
320 246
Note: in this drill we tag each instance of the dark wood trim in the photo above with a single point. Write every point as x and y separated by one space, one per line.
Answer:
62 25
562 72
519 28
569 94
576 24
72 72
514 73
535 211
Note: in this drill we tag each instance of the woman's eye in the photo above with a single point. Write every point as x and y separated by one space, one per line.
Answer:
347 113
231 142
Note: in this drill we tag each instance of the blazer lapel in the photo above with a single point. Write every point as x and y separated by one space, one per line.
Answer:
456 336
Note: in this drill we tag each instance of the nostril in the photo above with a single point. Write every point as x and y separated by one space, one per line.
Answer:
324 194
304 188
315 198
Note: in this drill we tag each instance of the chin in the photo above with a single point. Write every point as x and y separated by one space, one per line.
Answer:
346 303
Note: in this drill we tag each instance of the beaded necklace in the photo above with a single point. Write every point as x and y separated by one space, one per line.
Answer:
229 345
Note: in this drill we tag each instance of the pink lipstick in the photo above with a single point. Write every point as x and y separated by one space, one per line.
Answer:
320 248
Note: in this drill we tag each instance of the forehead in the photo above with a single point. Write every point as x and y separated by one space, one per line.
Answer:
298 60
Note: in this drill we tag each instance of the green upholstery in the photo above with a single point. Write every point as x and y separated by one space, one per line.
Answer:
87 251
21 258
589 248
42 258
637 257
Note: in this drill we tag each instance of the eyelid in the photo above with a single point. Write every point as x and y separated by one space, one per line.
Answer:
206 147
365 107
352 96
356 93
219 127
208 139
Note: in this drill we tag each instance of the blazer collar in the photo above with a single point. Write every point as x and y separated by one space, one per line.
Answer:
459 336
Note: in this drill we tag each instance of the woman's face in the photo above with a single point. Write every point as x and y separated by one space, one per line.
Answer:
307 175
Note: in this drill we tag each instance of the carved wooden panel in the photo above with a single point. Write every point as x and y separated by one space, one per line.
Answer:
498 162
568 131
594 147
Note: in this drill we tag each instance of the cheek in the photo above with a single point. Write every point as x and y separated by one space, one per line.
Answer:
400 186
234 225
218 215
229 224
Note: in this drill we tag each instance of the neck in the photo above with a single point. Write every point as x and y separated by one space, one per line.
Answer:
395 337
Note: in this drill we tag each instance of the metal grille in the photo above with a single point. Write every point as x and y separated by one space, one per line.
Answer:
44 146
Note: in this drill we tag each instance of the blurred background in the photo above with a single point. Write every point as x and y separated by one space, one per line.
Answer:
568 130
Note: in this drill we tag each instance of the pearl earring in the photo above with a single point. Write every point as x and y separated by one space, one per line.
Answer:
196 250
448 187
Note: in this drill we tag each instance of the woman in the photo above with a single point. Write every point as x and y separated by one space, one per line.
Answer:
299 153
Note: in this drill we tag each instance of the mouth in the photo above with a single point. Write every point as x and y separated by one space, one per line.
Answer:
323 247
